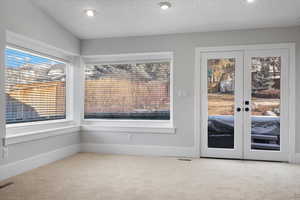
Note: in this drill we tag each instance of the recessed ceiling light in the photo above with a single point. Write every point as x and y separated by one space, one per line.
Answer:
90 12
165 5
250 1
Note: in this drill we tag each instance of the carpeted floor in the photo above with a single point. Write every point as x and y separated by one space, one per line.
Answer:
88 176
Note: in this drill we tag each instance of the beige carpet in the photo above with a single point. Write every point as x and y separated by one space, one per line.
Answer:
88 176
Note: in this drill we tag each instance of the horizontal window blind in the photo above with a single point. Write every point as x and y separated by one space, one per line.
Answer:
35 87
128 91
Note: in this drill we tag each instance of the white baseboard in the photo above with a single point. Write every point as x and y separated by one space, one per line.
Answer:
13 169
297 158
138 149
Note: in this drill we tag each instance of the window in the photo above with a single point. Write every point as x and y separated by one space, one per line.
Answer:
35 87
135 91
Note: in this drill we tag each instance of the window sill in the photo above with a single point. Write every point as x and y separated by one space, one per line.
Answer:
128 123
129 126
24 128
40 134
18 133
129 129
28 124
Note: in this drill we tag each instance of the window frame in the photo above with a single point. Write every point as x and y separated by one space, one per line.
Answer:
133 58
31 127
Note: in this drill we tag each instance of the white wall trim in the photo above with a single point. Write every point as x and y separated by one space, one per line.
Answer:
37 135
118 129
2 89
148 150
38 125
127 123
128 57
292 105
18 43
246 47
197 104
297 158
13 169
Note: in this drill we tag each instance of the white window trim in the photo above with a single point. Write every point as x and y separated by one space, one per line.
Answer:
23 43
21 128
124 124
125 58
129 129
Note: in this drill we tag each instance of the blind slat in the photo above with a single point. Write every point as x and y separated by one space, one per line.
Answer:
128 91
35 87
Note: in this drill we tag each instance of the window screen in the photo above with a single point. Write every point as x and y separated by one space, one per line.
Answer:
35 87
128 91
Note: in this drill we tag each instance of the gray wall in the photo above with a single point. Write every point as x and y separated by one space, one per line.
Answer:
183 46
21 17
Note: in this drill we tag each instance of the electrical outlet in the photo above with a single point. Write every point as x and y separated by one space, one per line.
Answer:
5 152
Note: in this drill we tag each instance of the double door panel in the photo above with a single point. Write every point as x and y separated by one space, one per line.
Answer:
244 104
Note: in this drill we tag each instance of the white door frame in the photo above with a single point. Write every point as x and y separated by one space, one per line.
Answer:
291 96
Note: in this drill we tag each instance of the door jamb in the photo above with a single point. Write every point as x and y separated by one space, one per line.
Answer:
291 99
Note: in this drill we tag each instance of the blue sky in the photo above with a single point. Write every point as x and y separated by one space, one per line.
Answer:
15 58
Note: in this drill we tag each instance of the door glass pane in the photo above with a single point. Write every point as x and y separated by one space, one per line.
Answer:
265 103
220 82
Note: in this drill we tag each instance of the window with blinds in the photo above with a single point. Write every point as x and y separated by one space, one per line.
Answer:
35 87
139 91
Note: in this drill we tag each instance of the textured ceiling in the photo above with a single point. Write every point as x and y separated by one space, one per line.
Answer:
116 18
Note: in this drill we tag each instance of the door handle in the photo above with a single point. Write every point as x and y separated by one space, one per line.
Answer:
238 109
247 109
247 103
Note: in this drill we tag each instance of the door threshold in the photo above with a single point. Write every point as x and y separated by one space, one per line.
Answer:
246 160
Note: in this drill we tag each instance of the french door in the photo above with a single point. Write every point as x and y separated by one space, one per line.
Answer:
222 90
244 104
